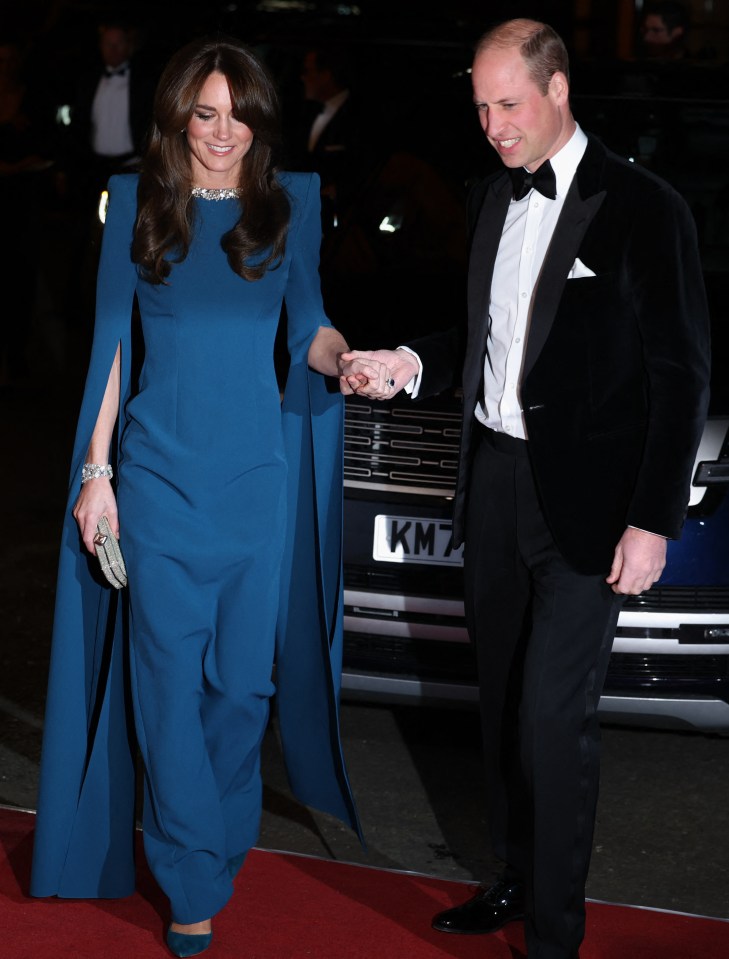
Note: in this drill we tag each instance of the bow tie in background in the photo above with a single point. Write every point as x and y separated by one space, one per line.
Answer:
119 72
543 179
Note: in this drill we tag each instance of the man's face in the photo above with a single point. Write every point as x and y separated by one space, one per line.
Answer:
522 124
115 46
316 81
655 30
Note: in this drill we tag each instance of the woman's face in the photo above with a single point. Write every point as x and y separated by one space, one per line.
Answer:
218 142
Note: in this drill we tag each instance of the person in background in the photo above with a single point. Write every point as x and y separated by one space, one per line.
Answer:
585 388
664 30
326 143
227 505
112 110
110 115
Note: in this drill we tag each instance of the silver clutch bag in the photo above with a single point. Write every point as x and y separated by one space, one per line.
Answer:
110 557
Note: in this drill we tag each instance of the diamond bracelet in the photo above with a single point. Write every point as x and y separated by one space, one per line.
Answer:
95 471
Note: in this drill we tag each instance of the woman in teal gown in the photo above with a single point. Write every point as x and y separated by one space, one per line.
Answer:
228 508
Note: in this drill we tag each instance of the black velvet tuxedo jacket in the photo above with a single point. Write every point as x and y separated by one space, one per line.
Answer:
614 384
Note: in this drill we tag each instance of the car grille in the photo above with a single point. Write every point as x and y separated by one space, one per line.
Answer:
421 581
681 598
457 663
407 449
407 657
664 669
448 582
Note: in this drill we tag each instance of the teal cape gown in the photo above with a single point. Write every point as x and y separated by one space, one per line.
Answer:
84 842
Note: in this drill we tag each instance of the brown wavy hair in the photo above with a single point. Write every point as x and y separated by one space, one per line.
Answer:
165 210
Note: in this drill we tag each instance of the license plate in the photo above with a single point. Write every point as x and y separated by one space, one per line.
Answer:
413 539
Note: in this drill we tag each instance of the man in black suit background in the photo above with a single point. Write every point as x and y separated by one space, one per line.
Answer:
112 110
585 387
326 143
110 113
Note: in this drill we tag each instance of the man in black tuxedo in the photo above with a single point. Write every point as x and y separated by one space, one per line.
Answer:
112 110
326 141
585 389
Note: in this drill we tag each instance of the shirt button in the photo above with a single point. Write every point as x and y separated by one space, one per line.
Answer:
523 294
507 429
517 339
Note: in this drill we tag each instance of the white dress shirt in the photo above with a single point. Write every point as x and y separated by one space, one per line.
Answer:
322 119
111 133
525 239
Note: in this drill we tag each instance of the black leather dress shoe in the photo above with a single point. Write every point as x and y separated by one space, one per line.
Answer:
487 911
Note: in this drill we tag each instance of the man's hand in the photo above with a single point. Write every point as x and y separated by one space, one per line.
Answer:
638 562
401 368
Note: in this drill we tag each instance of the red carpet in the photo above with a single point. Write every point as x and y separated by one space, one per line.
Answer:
295 907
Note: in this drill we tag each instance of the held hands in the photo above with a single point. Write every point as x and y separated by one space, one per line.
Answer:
95 500
638 562
359 374
379 374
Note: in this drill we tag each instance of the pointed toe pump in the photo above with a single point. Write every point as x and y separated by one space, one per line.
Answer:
183 945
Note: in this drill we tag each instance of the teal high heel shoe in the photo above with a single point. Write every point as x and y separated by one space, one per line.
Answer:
183 945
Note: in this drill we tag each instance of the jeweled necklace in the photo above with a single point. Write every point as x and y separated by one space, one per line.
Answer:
227 193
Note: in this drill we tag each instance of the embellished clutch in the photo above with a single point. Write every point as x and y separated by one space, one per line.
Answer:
110 557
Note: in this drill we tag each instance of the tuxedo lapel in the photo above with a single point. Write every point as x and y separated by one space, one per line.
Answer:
485 246
582 202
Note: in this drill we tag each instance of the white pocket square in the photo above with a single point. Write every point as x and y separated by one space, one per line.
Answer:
579 270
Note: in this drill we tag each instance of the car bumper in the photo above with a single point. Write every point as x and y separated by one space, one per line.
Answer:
664 671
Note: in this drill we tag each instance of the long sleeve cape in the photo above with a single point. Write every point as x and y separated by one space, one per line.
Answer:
85 826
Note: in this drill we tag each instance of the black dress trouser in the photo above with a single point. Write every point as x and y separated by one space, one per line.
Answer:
543 634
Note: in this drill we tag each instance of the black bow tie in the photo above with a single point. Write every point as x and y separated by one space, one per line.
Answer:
543 179
119 72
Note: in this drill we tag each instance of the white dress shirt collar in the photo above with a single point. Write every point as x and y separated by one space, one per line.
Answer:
565 162
118 71
334 103
321 120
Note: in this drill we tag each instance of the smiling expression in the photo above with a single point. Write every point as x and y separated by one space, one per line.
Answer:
523 125
218 142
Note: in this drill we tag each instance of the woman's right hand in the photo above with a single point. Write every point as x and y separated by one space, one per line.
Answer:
400 365
95 500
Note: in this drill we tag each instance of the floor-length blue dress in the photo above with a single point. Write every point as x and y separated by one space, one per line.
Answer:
230 523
